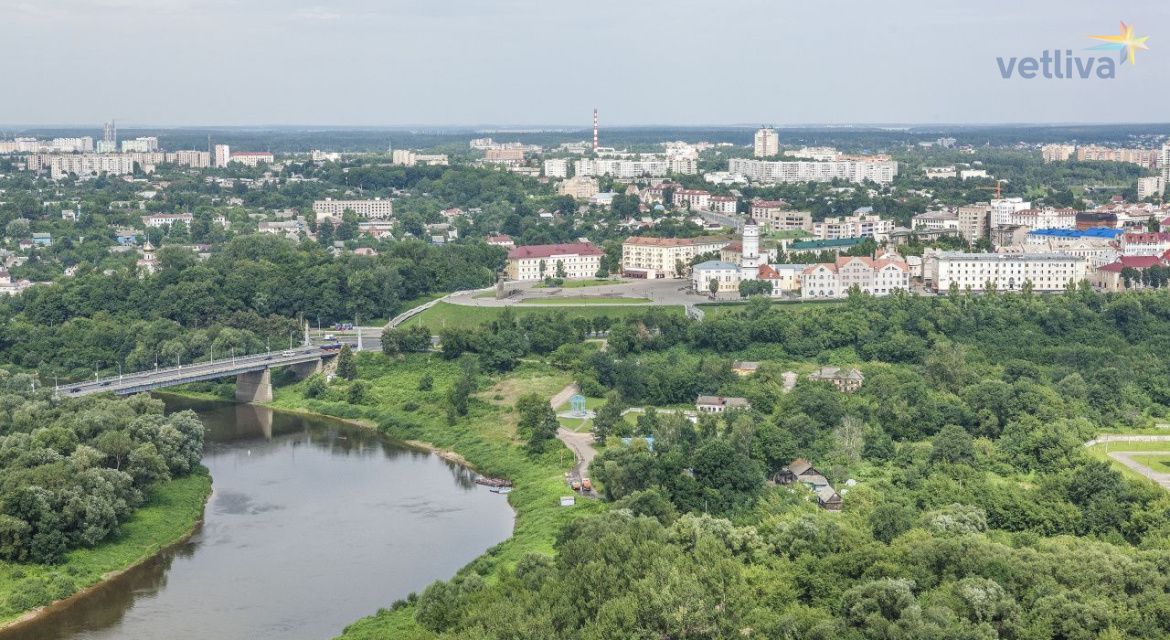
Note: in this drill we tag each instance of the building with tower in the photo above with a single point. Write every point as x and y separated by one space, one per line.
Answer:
750 261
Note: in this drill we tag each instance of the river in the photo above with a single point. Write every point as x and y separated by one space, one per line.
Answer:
312 524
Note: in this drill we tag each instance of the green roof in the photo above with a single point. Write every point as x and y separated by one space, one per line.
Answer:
813 245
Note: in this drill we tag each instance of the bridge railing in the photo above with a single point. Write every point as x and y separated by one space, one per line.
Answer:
129 377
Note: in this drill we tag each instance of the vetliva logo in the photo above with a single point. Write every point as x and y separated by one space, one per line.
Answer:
1065 65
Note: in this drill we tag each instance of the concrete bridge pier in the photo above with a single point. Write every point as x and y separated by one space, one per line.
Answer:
254 387
303 370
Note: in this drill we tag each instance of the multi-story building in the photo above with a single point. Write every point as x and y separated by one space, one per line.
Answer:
725 273
769 171
862 226
223 155
723 204
624 169
409 158
767 143
1098 246
253 158
693 199
835 279
1164 162
1144 157
61 166
818 154
1057 152
785 277
1002 271
1150 187
936 220
579 187
1047 218
148 144
159 220
504 155
975 221
536 262
376 208
1145 244
941 172
1109 277
194 159
1002 210
774 215
556 168
652 258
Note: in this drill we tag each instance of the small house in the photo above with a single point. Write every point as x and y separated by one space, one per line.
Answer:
744 368
719 404
828 499
846 380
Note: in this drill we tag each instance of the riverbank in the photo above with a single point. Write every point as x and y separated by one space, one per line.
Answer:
171 515
484 440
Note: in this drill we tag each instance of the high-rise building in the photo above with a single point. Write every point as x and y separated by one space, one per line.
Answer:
223 155
767 143
110 132
1166 162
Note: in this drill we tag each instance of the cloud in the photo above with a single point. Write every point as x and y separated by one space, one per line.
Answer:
315 14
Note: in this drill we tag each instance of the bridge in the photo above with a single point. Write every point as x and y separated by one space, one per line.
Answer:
253 374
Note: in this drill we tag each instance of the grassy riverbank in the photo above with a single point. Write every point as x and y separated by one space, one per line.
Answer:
168 517
486 439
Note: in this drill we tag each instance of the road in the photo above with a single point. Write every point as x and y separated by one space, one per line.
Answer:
581 444
1127 458
224 367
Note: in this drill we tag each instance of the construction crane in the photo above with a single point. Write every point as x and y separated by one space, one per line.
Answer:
997 188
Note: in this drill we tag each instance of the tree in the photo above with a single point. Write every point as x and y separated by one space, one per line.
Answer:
315 386
346 367
953 445
605 423
356 393
713 286
890 520
426 382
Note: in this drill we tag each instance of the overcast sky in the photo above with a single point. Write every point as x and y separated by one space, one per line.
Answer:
548 62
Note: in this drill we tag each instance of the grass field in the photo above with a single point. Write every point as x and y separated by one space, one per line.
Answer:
486 439
446 314
1157 462
579 284
168 517
1101 451
564 301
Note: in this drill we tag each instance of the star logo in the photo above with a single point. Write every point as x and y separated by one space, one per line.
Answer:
1125 42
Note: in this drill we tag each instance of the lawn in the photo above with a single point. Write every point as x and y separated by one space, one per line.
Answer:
568 301
486 439
579 284
1101 451
168 516
1157 462
446 314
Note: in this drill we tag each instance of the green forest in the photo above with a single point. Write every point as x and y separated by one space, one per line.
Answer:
971 507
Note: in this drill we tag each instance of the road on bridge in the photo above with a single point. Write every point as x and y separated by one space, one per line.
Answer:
195 372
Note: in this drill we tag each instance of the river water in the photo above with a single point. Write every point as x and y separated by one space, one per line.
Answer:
311 525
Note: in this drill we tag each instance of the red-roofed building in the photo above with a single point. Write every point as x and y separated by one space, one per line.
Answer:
501 241
1109 277
539 261
1145 244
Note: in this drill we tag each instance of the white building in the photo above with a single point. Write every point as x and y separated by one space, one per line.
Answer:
1004 272
375 208
1145 244
536 262
1047 218
556 168
936 220
624 169
861 226
253 158
223 155
159 220
725 273
580 187
693 199
722 204
61 166
148 144
767 143
1152 186
834 279
1002 210
652 258
770 171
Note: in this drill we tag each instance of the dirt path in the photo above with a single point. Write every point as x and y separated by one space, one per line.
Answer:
581 444
1127 458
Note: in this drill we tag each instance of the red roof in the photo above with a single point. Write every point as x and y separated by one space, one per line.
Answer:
549 250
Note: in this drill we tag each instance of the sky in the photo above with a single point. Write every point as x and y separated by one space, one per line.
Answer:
550 62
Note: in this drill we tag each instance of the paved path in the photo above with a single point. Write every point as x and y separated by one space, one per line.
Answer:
581 444
1127 458
668 291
